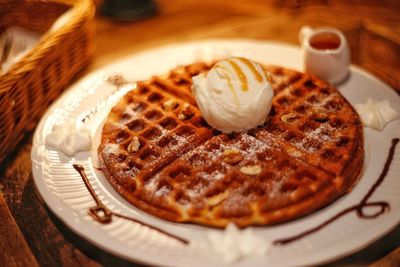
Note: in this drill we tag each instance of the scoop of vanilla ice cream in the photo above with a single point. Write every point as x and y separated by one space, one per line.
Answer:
234 96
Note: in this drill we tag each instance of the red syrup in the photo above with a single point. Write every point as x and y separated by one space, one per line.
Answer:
325 41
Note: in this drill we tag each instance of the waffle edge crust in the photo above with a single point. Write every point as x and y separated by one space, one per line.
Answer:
161 156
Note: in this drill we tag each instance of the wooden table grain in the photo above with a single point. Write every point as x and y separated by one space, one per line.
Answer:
30 235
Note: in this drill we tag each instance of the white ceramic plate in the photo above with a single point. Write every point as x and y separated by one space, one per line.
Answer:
66 195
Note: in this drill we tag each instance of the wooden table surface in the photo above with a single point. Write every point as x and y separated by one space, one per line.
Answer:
30 235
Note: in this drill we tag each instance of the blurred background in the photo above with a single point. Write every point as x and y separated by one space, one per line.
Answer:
371 26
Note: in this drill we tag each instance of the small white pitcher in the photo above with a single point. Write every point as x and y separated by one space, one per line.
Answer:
326 53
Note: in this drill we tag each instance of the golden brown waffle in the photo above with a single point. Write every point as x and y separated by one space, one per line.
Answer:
160 155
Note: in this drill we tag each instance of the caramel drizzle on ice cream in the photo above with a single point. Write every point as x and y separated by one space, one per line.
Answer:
240 74
251 67
229 81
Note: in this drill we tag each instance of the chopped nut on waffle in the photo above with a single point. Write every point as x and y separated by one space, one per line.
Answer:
160 154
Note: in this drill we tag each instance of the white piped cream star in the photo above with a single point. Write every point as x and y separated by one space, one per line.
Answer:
68 139
234 244
376 114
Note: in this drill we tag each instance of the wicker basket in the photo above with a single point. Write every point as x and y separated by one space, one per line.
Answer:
37 79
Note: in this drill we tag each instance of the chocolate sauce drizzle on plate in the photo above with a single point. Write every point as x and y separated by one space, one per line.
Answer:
358 208
102 214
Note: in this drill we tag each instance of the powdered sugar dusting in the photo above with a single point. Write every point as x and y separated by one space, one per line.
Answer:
163 191
112 149
237 201
195 192
276 187
216 175
316 138
128 114
151 185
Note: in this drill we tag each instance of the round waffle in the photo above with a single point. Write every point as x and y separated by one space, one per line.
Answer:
159 153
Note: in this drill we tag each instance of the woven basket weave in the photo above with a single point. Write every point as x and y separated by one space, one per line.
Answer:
37 79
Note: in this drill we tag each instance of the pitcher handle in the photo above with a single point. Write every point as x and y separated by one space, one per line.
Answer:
303 33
